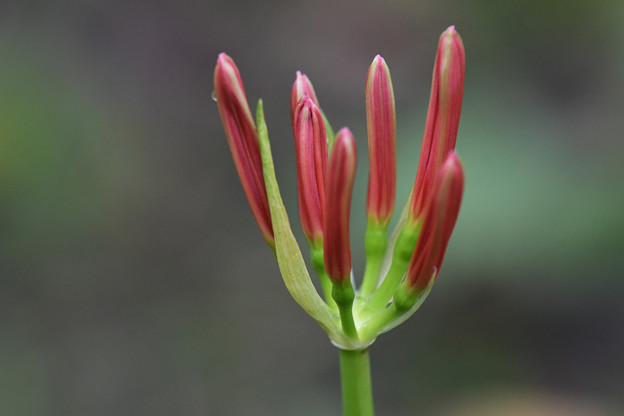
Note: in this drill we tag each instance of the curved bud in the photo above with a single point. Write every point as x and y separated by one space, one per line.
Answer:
445 103
302 87
311 152
381 123
242 137
340 175
439 220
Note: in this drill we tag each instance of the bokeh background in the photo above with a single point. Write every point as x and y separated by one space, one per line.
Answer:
134 281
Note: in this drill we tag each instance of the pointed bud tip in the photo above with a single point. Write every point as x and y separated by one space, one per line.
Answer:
302 87
346 137
452 160
224 59
453 165
378 61
452 35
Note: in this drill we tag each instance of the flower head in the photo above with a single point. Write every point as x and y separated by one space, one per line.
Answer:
242 137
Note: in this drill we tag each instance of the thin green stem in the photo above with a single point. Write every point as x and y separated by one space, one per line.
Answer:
357 392
344 295
403 251
375 244
383 295
318 264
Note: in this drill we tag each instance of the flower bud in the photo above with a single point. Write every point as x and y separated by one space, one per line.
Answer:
442 118
439 220
242 137
302 87
311 153
381 123
340 176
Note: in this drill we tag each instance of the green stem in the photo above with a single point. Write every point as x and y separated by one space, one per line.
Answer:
375 244
318 264
344 295
357 392
403 251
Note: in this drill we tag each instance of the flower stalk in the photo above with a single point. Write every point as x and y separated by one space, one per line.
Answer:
355 374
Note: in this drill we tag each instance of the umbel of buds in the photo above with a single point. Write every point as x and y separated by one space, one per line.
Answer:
326 165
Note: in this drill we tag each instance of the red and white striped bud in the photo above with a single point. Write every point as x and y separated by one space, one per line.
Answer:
301 88
439 220
242 137
381 122
311 153
442 118
340 176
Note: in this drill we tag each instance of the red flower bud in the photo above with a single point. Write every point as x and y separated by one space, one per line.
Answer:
242 137
442 118
340 177
302 87
381 122
311 152
439 219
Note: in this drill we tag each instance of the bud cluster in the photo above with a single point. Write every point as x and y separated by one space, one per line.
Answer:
326 166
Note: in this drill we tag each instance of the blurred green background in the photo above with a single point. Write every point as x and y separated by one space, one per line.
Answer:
134 281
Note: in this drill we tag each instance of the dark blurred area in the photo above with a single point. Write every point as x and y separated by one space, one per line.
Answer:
134 281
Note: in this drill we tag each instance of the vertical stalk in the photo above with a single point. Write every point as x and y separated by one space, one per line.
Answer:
357 393
375 243
316 258
401 256
344 295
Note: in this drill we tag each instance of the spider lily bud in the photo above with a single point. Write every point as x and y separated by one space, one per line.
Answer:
439 219
381 122
311 152
340 177
442 117
242 137
302 87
